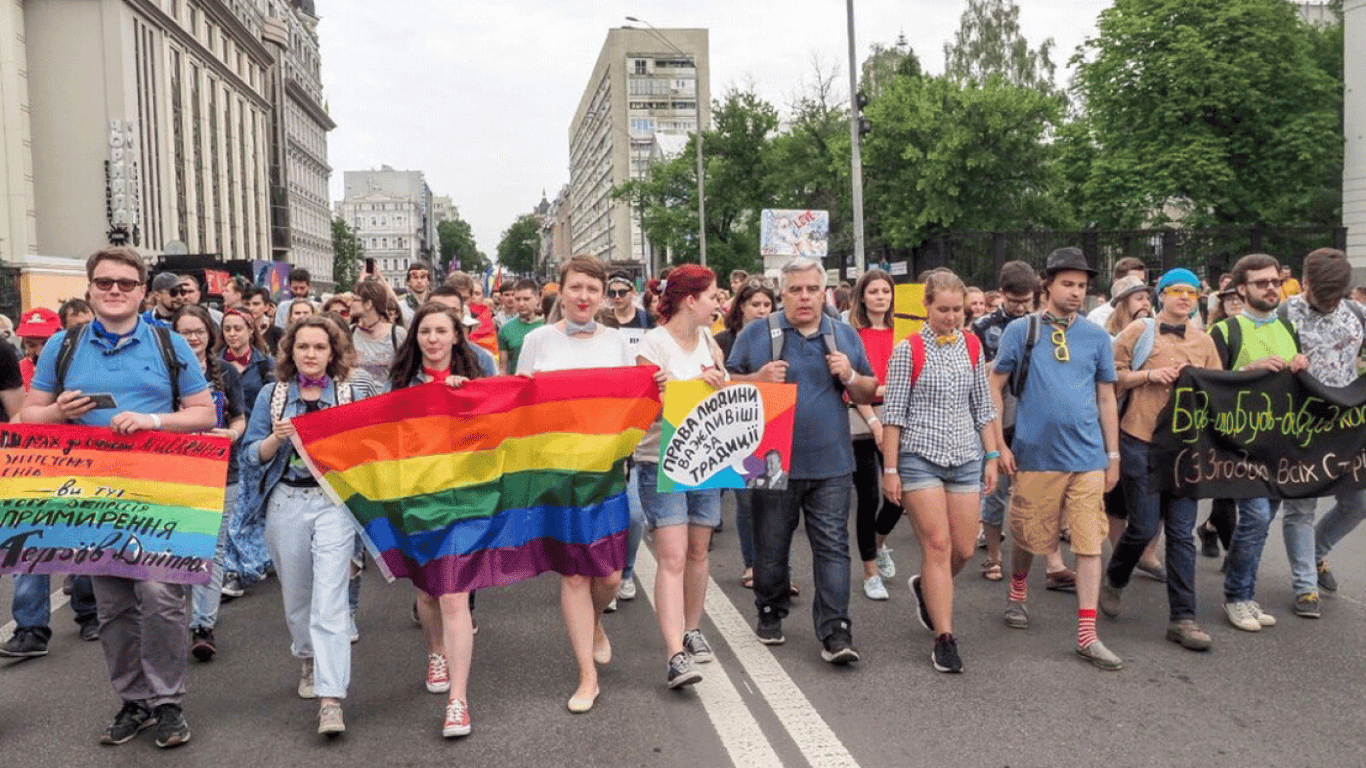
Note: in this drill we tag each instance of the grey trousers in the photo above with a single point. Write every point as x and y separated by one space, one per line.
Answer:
144 632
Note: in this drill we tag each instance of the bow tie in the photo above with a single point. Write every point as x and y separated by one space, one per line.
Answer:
320 382
1063 322
1258 322
947 339
1179 330
435 375
243 360
571 327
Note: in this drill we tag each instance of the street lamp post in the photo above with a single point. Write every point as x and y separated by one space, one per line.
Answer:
856 157
697 102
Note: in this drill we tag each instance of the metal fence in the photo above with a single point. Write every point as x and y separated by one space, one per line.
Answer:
977 256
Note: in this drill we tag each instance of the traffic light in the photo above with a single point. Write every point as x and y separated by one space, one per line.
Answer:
864 125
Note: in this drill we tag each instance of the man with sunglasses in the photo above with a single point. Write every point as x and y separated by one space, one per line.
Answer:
1174 343
1255 340
622 311
143 624
1065 453
168 298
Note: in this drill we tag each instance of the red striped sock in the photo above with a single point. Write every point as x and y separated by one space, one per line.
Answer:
1019 586
1086 627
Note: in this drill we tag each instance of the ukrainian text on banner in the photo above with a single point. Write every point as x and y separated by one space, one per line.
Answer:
1247 435
490 483
739 436
85 500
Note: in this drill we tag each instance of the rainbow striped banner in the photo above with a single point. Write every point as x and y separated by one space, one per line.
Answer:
84 500
491 483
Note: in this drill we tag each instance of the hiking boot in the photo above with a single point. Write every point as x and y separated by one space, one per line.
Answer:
1241 615
202 645
129 721
1327 581
172 730
1111 598
1016 615
697 646
945 655
1100 656
1188 634
886 568
770 629
26 644
1307 605
839 648
681 671
922 611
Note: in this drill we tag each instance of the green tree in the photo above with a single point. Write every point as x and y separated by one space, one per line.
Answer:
456 244
520 246
1212 112
885 64
348 255
989 44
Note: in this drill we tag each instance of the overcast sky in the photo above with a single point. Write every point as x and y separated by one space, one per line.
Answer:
478 94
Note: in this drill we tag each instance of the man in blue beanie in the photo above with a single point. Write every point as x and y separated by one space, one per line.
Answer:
1149 356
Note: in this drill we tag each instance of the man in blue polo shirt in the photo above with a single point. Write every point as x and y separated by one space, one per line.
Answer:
820 476
143 624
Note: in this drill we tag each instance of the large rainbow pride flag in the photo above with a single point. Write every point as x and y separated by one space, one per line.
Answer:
490 483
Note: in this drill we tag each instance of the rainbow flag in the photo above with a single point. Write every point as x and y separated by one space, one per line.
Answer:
77 499
491 483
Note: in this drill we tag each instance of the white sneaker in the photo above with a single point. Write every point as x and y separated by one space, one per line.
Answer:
627 590
1263 618
874 588
885 567
1242 615
306 681
611 607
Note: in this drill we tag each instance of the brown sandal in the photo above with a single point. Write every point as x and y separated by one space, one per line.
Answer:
991 570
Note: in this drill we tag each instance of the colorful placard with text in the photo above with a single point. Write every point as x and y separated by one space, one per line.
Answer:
738 436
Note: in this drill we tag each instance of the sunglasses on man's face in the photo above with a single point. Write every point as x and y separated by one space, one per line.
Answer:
106 283
616 293
1265 285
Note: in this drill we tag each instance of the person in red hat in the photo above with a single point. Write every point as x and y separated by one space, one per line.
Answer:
36 326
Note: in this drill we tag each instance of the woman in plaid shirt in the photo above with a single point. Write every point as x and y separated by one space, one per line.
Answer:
937 398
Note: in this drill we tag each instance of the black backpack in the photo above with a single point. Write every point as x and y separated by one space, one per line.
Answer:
164 345
1020 375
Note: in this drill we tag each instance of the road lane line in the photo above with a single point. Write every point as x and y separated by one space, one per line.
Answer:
813 736
740 733
57 600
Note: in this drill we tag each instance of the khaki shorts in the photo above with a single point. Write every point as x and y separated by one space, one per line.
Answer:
1040 501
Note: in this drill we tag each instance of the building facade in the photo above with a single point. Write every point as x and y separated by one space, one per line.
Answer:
1354 128
391 213
645 82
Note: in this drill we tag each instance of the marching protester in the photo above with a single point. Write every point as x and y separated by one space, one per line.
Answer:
74 312
196 325
234 293
579 341
166 296
683 349
419 282
825 359
244 553
1255 340
1063 459
871 315
1331 333
437 351
299 309
36 326
938 404
514 330
300 289
752 301
258 304
1128 266
1223 513
376 338
191 296
1149 357
143 624
310 539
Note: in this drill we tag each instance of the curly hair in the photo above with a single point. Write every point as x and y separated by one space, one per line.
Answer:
338 362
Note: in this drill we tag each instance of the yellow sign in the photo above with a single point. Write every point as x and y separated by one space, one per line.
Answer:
909 309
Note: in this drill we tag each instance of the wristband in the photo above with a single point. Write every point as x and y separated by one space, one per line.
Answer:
850 380
873 420
156 420
992 455
889 471
1112 455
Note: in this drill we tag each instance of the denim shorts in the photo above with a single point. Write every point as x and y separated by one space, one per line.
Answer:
700 508
917 474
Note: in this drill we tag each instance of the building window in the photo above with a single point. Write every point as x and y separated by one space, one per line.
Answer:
642 67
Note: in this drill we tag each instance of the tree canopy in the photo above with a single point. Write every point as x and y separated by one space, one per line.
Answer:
520 247
347 255
456 245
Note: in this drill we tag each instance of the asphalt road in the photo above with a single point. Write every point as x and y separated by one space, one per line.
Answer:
1288 696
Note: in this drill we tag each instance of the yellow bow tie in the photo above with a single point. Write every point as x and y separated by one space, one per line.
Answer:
949 339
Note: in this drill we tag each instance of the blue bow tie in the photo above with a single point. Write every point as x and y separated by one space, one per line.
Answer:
1258 322
571 327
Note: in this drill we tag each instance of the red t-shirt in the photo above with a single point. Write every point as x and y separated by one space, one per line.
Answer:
26 371
877 342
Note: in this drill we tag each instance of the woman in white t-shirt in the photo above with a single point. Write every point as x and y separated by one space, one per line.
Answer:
682 522
577 341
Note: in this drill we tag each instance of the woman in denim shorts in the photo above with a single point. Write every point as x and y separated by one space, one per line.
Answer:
683 349
937 406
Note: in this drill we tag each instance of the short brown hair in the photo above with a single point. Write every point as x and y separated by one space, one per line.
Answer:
1126 265
1018 279
585 265
1250 263
461 282
119 253
338 363
1328 275
374 292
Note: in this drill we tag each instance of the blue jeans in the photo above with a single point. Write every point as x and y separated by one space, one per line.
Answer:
32 603
635 529
1245 553
776 513
1147 507
205 598
1300 533
1338 521
994 504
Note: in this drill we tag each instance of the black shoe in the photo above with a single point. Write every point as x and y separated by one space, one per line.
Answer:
90 629
26 644
921 611
201 643
130 720
682 672
839 648
770 629
945 655
172 730
1209 541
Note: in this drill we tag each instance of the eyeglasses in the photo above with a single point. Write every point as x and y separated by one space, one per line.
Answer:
199 333
616 293
179 291
1267 284
1060 350
105 283
1181 293
1014 302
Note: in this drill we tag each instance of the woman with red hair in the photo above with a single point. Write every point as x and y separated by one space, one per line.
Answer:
683 349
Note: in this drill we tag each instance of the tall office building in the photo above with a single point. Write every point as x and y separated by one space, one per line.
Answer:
646 82
391 213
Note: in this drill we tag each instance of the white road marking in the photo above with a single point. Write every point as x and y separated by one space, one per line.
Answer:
58 599
813 736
